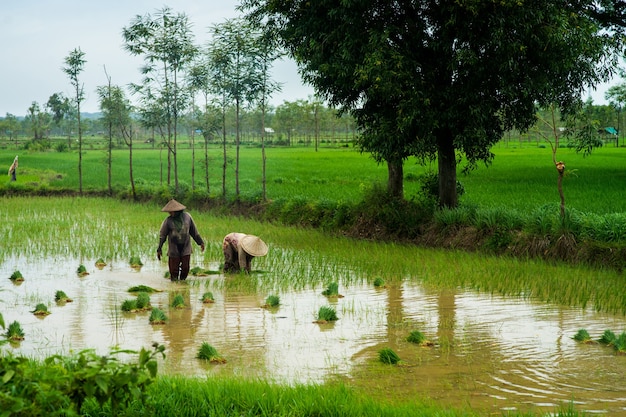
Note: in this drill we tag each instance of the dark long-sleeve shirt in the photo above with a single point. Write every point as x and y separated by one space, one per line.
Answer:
179 241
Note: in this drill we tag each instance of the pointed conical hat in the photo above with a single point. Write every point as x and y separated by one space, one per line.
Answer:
172 206
254 246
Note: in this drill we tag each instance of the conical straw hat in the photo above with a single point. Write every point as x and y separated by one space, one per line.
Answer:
254 246
172 206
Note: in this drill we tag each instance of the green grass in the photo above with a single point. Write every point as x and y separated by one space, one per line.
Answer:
522 176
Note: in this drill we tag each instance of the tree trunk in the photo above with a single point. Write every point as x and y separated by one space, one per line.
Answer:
395 185
447 170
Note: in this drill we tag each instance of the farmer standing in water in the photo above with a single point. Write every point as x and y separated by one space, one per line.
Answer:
178 228
13 169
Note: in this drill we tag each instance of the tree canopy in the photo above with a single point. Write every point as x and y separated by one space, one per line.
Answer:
443 80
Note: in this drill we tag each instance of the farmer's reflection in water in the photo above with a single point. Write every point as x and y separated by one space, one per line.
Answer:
179 332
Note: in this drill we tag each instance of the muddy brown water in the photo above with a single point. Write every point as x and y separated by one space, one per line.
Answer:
490 353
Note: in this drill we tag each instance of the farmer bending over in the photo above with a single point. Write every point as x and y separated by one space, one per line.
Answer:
239 249
178 228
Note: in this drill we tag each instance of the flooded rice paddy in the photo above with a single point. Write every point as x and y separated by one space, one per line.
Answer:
489 352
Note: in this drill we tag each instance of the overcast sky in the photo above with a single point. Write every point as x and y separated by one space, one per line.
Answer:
37 35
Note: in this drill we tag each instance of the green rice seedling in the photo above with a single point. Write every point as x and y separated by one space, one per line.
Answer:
582 336
418 338
157 316
196 271
326 314
178 301
271 301
143 301
388 356
15 332
41 310
82 271
142 288
379 282
135 262
207 297
608 338
332 290
209 353
620 344
16 277
100 263
61 297
129 305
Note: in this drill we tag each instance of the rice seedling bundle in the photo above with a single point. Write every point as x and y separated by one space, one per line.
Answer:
143 301
16 276
388 356
326 314
15 332
582 336
61 297
209 353
207 297
157 316
41 310
82 271
178 301
135 262
129 305
272 301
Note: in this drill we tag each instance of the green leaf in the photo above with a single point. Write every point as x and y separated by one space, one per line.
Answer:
7 376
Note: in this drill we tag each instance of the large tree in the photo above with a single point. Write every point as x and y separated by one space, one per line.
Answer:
442 79
165 40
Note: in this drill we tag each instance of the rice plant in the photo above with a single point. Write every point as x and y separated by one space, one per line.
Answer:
582 336
100 263
388 356
15 332
620 343
272 301
418 338
135 262
157 316
326 314
379 282
143 301
178 301
61 297
16 277
41 310
207 297
332 290
209 353
142 288
82 271
129 305
608 338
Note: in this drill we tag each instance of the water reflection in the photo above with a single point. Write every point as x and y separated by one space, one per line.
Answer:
491 353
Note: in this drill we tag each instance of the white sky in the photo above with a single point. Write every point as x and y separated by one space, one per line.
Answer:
37 35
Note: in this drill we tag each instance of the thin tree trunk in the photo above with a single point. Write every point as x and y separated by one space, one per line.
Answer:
447 170
395 179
